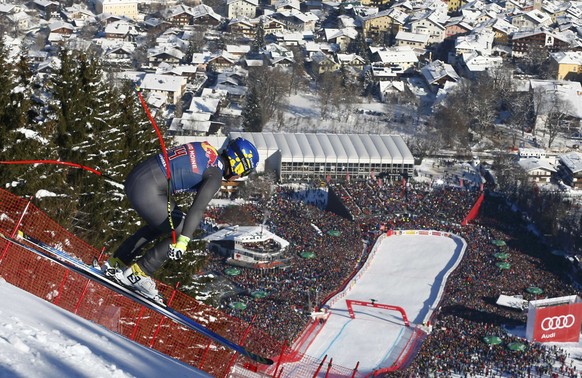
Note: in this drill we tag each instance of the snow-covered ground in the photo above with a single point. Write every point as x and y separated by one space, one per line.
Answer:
403 271
41 340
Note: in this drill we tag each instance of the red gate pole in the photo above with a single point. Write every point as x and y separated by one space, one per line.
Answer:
355 369
328 367
15 232
280 357
241 342
159 327
319 367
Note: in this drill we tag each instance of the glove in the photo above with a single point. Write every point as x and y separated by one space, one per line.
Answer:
176 251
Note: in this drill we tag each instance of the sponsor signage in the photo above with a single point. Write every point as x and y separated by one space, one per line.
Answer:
558 323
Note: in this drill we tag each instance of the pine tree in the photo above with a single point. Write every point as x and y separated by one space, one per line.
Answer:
251 113
259 41
15 92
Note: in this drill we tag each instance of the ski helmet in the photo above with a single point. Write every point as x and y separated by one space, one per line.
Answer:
242 155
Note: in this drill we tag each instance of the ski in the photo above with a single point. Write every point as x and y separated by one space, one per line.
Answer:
62 258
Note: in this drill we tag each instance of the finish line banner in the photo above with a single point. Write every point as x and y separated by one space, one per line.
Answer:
559 323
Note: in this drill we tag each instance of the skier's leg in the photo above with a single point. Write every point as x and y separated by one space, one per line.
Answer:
146 189
155 257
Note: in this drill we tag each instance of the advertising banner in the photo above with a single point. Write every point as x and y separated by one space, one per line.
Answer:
558 323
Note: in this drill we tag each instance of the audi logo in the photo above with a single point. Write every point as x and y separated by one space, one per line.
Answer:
558 322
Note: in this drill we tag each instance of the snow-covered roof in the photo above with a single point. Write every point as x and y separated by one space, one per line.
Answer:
562 93
437 70
572 160
163 82
336 148
567 57
531 164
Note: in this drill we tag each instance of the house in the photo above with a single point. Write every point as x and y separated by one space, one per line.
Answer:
380 73
17 19
556 9
399 59
480 42
538 171
566 65
242 26
198 15
60 27
472 64
297 21
200 60
559 97
525 42
390 21
454 5
531 20
352 60
390 90
375 3
205 15
223 61
119 30
78 16
570 169
322 63
290 5
518 6
165 54
503 31
59 31
413 40
241 8
122 8
118 53
437 73
48 9
429 24
167 87
272 26
457 26
341 37
276 55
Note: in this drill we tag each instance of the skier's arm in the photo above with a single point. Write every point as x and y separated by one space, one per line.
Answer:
212 179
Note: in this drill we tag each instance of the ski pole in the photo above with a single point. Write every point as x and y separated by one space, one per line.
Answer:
166 159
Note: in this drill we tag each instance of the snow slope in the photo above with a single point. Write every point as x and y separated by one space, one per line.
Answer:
39 339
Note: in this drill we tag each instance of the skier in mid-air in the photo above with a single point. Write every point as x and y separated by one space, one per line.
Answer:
194 167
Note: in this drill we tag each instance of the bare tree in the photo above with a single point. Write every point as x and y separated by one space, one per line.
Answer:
329 87
452 121
556 115
270 85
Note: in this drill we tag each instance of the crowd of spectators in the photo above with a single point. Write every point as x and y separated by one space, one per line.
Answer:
468 311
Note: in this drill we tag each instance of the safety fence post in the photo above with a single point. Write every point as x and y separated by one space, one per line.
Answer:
61 287
139 317
13 234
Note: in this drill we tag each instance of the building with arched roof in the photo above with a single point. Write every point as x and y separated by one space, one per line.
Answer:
336 156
